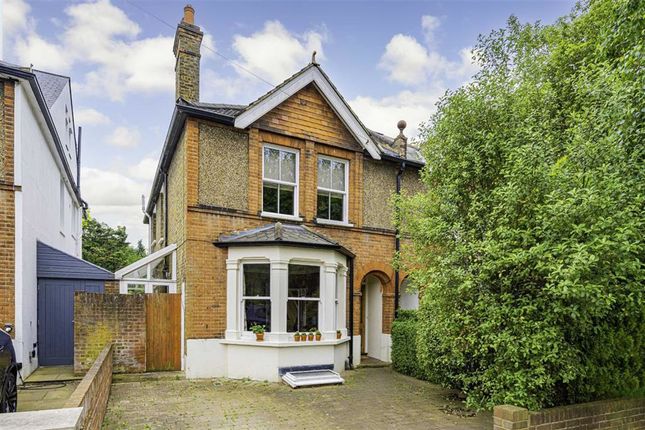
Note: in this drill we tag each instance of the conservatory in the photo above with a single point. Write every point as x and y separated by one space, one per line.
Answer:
155 273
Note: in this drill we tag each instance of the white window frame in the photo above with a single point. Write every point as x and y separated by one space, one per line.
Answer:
149 281
243 298
306 299
345 193
296 185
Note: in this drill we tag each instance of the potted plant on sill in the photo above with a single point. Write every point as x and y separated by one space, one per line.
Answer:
259 332
296 336
310 335
303 336
318 335
338 334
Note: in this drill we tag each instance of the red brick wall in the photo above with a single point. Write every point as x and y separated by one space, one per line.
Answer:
606 414
100 319
7 204
93 392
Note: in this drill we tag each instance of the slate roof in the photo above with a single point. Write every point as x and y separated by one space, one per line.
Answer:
51 85
280 234
386 144
54 263
221 109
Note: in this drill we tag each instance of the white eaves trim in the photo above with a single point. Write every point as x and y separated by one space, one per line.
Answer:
333 98
145 260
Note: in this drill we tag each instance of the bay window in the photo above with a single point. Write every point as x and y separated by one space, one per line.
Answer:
332 189
256 295
303 297
279 181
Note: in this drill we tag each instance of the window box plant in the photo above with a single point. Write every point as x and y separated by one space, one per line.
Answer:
318 335
296 336
310 335
259 332
338 334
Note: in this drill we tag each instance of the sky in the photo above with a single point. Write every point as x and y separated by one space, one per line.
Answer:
391 60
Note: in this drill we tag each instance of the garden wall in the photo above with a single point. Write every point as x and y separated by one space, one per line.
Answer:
93 392
605 414
100 319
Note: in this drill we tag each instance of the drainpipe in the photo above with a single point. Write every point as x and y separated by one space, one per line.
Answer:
145 214
165 210
397 242
78 160
350 265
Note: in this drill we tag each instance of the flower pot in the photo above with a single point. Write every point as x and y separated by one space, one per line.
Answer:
310 337
338 334
318 336
296 338
259 337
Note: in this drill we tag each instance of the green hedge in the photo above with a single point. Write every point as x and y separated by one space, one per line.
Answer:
404 344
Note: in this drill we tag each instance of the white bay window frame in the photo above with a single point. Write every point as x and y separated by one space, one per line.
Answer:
332 271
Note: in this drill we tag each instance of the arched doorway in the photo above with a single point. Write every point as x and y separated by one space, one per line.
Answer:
373 343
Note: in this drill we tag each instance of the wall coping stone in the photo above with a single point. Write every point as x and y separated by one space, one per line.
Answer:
52 419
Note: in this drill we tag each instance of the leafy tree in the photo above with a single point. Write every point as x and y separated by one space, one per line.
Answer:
528 244
108 247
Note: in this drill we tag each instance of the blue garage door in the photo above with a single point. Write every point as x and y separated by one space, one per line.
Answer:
56 318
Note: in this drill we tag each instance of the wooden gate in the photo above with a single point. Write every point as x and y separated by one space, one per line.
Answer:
163 332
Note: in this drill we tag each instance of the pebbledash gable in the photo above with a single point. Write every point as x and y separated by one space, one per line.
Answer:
280 214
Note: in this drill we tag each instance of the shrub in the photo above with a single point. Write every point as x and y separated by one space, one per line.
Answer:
528 243
404 340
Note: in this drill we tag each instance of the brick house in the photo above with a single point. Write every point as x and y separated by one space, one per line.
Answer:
279 213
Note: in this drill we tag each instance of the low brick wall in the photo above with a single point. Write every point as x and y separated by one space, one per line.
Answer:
605 414
119 319
93 392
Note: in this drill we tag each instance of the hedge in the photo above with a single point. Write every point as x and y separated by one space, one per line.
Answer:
404 344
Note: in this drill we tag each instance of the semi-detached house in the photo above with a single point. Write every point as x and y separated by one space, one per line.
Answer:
278 213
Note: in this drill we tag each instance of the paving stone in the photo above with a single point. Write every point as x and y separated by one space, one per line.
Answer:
371 398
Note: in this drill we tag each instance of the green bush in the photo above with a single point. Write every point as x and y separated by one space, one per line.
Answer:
404 340
528 243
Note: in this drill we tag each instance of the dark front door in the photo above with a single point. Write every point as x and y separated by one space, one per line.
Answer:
56 318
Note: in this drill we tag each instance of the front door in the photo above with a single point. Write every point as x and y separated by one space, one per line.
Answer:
374 317
56 318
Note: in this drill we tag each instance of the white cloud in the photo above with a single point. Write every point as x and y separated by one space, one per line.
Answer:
32 49
114 197
429 25
124 137
409 62
15 16
89 116
144 169
275 53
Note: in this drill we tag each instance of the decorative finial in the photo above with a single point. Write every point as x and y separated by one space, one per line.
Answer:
189 14
278 231
313 58
401 125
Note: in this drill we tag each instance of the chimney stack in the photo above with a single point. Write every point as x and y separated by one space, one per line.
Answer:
401 142
188 41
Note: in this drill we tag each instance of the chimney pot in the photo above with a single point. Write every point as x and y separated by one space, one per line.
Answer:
189 14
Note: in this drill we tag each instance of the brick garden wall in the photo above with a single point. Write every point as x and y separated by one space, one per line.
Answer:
93 392
606 414
100 319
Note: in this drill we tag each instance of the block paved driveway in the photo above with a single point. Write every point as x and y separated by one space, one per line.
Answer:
372 398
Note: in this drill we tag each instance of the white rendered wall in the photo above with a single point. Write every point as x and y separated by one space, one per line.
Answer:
38 174
260 361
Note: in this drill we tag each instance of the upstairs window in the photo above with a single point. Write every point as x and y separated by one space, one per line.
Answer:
280 181
332 189
303 297
256 296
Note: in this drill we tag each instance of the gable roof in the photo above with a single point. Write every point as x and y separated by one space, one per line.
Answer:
280 234
54 263
51 85
310 74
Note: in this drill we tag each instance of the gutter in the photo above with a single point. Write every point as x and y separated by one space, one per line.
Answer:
350 264
35 88
397 242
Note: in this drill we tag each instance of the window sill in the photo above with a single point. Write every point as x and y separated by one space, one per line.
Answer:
284 344
280 216
323 221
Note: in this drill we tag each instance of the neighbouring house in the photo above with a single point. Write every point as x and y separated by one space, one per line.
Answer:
40 216
275 213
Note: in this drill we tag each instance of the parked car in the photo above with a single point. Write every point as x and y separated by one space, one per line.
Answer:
8 373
